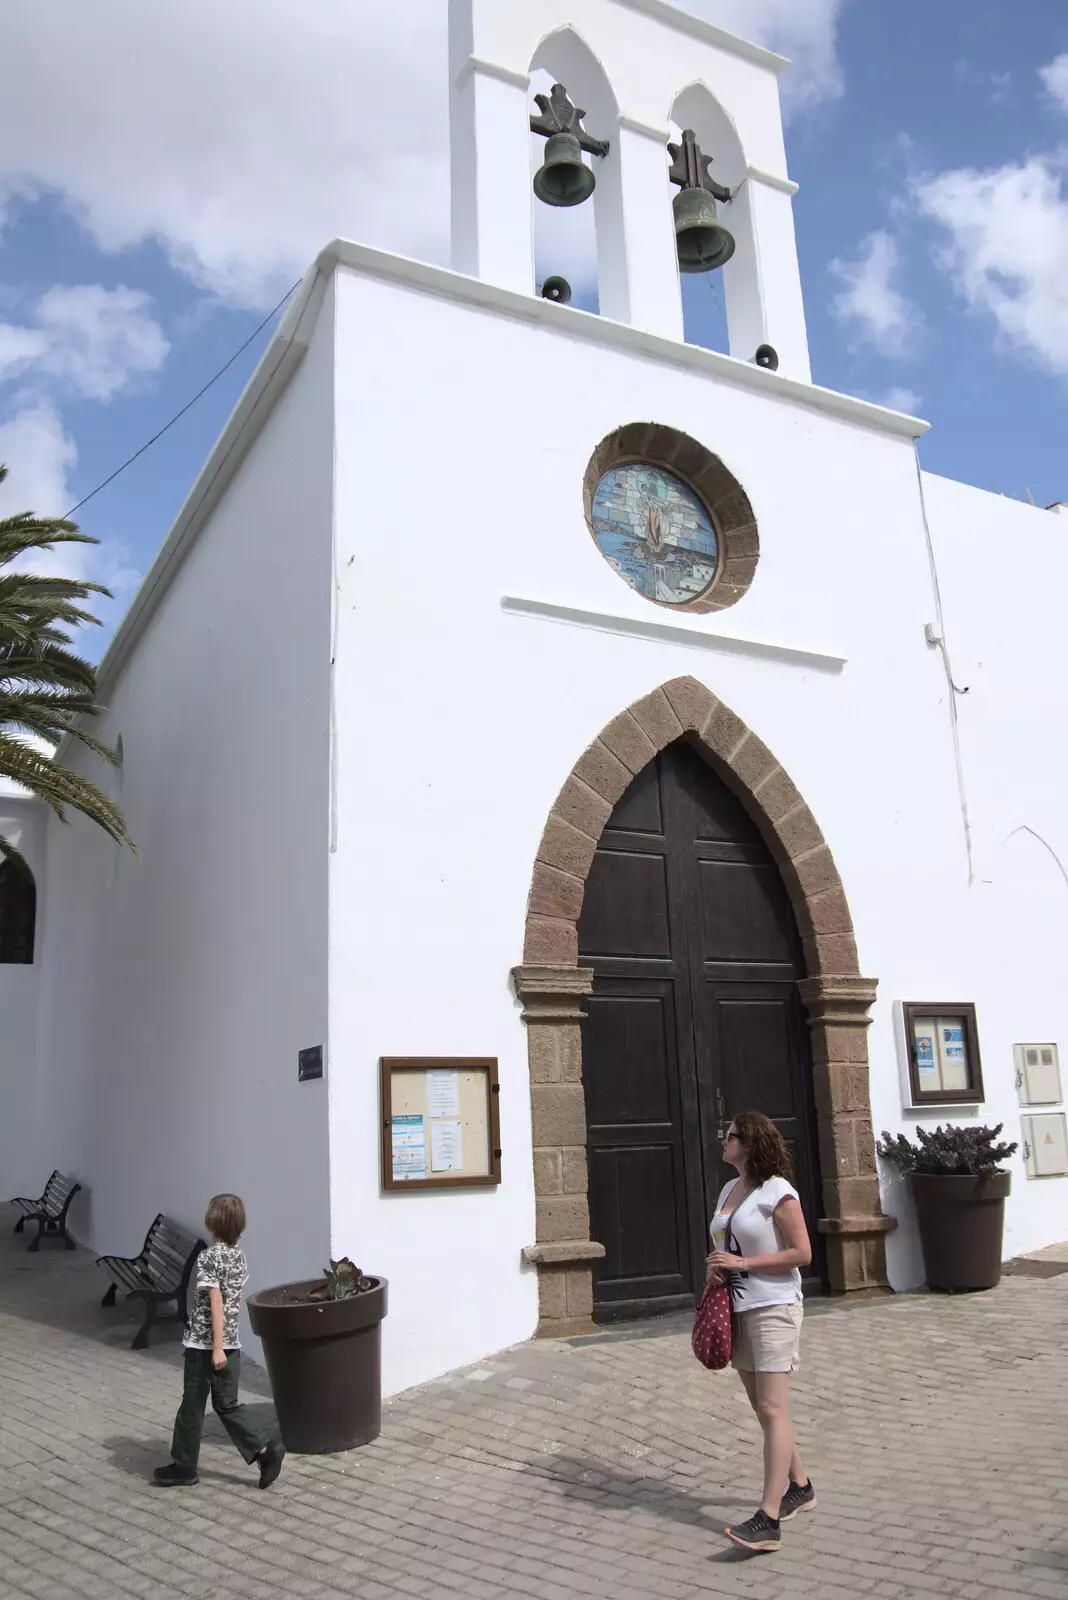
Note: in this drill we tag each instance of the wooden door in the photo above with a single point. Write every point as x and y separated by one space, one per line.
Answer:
694 1015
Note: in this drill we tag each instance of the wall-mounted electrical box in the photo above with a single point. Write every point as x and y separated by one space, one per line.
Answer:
1038 1074
1045 1145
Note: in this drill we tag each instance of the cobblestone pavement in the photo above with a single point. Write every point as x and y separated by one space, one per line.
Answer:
936 1430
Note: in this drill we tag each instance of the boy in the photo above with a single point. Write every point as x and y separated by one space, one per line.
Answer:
213 1355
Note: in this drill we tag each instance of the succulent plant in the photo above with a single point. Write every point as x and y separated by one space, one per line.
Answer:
950 1151
341 1280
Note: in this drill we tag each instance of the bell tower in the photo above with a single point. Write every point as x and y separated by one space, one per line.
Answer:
647 77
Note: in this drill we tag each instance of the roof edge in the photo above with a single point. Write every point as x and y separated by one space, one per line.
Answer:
293 335
698 28
264 388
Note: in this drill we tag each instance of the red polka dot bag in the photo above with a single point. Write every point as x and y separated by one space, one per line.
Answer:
711 1337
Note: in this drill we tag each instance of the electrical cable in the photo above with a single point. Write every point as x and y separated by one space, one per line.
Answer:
189 403
954 691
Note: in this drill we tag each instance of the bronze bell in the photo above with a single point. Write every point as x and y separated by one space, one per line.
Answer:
563 179
703 243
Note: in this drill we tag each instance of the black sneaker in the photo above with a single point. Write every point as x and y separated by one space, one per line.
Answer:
175 1477
797 1499
761 1532
270 1459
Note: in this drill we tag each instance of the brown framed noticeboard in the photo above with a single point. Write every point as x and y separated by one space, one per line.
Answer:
440 1122
942 1042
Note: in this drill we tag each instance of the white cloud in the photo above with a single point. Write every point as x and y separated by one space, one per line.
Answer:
244 136
40 455
804 30
870 301
897 398
1006 244
95 340
1055 78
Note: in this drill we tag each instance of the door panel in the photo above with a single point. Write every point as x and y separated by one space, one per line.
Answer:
694 1015
742 913
625 911
637 1185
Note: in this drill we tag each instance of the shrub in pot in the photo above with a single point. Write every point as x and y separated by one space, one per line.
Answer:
322 1342
958 1187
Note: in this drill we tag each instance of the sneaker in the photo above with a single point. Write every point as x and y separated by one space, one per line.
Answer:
797 1499
759 1533
174 1476
270 1459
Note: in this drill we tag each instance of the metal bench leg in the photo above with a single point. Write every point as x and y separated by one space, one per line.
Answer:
109 1298
140 1340
20 1224
68 1242
35 1243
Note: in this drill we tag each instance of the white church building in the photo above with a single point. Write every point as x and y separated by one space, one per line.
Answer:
526 686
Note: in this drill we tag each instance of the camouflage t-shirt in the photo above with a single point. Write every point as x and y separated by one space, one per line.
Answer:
222 1267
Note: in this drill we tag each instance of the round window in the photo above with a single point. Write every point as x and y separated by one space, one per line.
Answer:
656 532
670 518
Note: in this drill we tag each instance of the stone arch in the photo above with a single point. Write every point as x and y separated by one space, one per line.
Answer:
552 985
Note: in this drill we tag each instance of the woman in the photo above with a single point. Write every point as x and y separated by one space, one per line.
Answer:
759 1243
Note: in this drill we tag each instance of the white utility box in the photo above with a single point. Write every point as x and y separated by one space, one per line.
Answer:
1045 1145
1038 1074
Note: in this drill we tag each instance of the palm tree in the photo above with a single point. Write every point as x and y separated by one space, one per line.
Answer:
46 692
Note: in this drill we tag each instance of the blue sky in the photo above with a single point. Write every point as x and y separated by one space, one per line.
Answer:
145 231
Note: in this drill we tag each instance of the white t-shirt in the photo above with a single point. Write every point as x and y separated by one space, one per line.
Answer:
754 1233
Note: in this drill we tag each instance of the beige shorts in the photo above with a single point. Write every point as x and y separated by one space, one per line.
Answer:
767 1339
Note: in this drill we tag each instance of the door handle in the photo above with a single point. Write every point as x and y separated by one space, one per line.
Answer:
721 1114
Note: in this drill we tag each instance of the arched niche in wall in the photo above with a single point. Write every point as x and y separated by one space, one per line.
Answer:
719 316
18 914
582 243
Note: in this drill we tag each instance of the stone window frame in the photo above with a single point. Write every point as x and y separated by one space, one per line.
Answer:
714 484
552 986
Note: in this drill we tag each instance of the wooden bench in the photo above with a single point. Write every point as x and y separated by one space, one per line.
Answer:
50 1211
159 1274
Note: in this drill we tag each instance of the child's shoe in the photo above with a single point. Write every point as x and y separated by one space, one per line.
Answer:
174 1476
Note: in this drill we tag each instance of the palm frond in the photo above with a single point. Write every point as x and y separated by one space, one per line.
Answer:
59 786
47 691
17 859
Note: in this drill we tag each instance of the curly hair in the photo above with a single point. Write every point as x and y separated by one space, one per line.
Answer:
765 1152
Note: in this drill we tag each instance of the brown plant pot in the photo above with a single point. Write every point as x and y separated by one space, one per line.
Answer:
961 1222
324 1360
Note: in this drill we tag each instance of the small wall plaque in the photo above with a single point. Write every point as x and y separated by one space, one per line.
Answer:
440 1122
310 1064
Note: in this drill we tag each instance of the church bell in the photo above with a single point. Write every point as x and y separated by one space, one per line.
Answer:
563 179
703 243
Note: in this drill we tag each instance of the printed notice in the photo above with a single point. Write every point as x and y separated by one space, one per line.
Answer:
446 1146
409 1148
925 1057
442 1093
954 1060
953 1040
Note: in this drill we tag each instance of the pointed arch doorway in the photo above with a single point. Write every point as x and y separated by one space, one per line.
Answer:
553 986
694 1014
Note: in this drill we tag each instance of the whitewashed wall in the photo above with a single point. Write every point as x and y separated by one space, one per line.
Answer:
22 823
182 985
1003 570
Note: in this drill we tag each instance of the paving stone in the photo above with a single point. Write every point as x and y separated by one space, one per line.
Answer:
936 1430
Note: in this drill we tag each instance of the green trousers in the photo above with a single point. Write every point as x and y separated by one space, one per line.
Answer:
201 1379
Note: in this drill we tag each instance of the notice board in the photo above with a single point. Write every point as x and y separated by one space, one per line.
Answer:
440 1122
